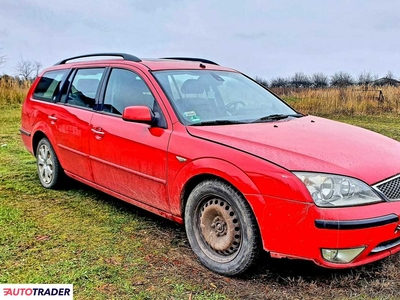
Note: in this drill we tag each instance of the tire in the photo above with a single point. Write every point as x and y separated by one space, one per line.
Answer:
221 228
48 166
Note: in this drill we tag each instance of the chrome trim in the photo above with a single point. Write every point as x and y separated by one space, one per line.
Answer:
386 180
386 247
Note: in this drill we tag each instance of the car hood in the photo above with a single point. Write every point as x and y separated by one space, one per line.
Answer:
312 144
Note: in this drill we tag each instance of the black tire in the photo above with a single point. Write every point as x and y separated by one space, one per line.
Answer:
48 167
221 228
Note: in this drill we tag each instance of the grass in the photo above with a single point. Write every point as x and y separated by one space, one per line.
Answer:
12 92
112 250
351 101
106 248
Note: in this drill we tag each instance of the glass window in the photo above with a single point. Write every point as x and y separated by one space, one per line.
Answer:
49 85
200 96
84 87
126 88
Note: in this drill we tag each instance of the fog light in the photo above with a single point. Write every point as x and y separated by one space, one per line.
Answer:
341 255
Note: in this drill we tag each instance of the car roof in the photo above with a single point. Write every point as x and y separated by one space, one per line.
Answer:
154 64
168 64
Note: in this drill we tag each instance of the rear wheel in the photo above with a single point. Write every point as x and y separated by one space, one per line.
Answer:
48 166
221 228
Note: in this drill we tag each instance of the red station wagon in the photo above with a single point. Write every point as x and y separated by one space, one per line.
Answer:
208 147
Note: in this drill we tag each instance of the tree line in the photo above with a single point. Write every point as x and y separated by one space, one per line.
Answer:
320 80
29 69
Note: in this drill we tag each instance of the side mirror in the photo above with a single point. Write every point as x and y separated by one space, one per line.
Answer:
140 114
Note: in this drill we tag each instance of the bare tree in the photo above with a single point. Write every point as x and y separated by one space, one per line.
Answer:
300 80
341 79
389 75
319 80
366 78
25 68
37 65
2 59
279 82
261 81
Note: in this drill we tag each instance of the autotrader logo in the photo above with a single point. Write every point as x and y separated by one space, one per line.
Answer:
36 291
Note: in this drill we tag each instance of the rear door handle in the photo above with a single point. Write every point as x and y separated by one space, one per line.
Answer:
97 131
53 119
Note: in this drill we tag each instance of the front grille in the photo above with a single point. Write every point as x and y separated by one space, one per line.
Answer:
390 188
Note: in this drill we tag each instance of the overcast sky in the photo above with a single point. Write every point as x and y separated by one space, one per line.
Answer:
260 38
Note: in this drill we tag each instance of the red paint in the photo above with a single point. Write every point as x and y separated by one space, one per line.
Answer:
137 114
151 166
322 146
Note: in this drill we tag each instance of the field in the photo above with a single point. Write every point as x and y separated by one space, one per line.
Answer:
351 101
112 250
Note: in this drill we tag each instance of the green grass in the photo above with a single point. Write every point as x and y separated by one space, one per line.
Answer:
385 124
78 235
112 250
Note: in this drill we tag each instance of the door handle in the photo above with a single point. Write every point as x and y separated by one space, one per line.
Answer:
97 131
53 118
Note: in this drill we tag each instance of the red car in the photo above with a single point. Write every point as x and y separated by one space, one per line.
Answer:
207 146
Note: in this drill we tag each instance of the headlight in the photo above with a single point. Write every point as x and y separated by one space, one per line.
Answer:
329 190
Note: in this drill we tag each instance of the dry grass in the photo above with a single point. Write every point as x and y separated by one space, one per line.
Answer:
351 101
328 102
12 92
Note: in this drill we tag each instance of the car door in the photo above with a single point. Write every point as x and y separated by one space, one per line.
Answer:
128 157
72 120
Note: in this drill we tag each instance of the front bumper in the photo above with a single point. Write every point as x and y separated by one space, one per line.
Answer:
301 230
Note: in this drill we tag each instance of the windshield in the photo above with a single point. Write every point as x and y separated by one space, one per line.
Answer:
202 97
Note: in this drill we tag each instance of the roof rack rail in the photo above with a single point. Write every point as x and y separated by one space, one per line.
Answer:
206 61
125 56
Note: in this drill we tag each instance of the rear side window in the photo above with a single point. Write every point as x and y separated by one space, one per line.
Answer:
84 87
49 85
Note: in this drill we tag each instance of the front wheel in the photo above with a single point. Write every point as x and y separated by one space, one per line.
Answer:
221 228
48 166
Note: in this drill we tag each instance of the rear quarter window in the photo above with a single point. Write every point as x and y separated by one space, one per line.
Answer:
49 85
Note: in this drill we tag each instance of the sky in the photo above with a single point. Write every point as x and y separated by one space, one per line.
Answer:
267 39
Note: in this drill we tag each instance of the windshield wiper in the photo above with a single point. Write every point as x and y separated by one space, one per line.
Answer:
217 122
277 117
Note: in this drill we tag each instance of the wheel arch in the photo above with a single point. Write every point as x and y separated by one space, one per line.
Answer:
43 130
212 168
195 181
38 135
222 227
41 133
